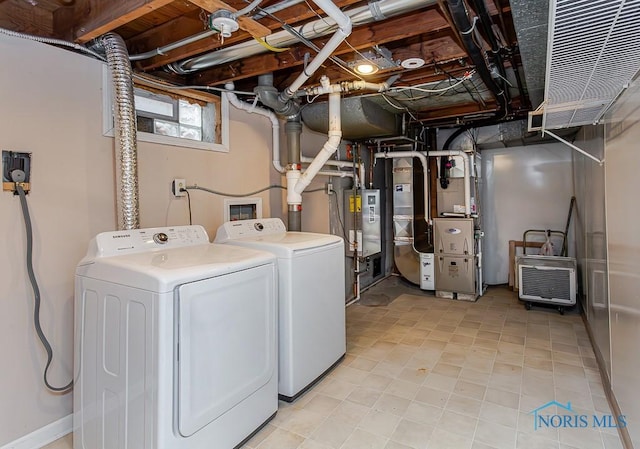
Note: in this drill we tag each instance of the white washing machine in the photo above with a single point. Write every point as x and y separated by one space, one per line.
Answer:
176 341
312 335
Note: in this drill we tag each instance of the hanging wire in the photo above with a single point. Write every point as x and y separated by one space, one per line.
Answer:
36 295
189 204
234 195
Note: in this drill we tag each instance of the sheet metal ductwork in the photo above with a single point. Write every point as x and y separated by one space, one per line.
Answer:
361 118
124 115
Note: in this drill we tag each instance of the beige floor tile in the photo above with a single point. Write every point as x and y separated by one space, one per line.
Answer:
379 423
257 438
446 369
441 439
499 414
364 396
496 435
350 412
586 438
336 388
363 364
395 445
322 404
392 404
423 413
431 396
531 441
302 422
387 369
402 388
311 444
361 439
463 405
281 439
332 432
376 382
458 424
415 375
440 382
503 398
412 434
469 389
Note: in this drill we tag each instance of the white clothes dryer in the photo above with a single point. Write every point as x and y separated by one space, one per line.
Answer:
311 284
175 341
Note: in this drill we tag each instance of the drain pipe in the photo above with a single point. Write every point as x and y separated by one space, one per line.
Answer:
293 129
343 31
284 103
128 209
275 124
330 147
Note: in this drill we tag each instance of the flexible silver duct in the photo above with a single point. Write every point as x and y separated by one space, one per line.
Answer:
124 116
321 27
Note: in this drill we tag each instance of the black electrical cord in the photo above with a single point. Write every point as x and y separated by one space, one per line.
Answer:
188 203
36 294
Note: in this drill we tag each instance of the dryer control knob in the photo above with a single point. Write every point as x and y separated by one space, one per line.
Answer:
258 226
160 238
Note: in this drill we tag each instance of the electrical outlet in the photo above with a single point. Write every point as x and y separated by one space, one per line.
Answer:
329 188
16 169
177 187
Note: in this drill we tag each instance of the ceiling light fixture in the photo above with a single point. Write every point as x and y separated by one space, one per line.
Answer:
371 61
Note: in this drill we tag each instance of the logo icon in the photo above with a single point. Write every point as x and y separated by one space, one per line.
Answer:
566 417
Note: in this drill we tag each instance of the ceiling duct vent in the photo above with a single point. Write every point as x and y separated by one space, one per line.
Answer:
361 118
593 53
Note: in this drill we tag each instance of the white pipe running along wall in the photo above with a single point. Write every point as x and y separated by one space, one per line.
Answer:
425 173
330 147
341 164
275 124
467 174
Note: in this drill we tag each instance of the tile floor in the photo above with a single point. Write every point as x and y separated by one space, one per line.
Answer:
432 373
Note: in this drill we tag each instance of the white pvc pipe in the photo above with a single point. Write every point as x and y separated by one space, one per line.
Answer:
330 147
467 174
343 31
425 173
275 124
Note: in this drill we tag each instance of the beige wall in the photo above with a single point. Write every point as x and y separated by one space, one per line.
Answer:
622 185
51 106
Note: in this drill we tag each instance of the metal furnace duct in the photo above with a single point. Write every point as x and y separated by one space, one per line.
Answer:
361 118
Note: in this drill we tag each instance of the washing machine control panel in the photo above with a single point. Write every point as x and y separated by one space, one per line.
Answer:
233 230
136 240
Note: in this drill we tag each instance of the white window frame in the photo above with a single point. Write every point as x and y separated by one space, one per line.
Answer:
108 125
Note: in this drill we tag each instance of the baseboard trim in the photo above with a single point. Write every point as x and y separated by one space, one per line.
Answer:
43 435
623 432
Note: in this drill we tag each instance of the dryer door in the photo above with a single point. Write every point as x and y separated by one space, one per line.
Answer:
226 343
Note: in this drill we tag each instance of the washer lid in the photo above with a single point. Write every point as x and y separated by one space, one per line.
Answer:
161 270
288 243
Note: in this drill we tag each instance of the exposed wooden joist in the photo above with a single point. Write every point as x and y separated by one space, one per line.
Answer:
97 17
25 18
363 37
186 26
251 26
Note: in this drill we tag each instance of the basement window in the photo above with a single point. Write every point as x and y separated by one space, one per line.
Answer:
173 119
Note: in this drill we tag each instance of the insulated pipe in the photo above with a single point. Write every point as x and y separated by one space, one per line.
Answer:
425 173
467 174
330 147
172 46
275 124
125 131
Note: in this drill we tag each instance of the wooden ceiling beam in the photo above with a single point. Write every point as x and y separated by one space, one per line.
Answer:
183 27
97 17
362 37
253 27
